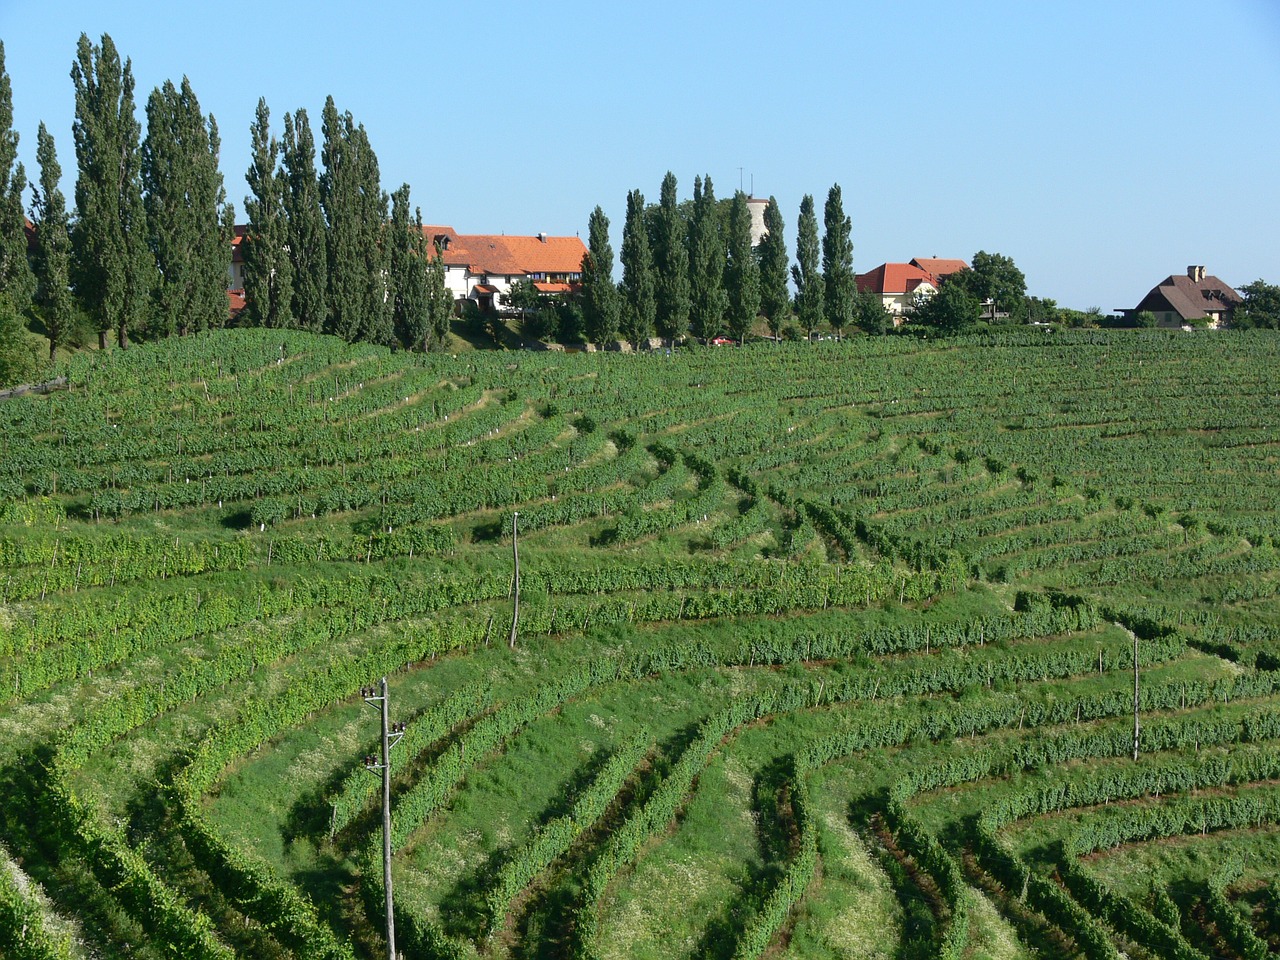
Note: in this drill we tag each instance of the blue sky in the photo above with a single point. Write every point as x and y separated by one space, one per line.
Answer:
1102 145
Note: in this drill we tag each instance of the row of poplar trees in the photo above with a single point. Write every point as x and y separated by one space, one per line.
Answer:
145 250
690 268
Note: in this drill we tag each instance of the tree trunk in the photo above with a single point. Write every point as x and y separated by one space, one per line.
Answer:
124 337
102 339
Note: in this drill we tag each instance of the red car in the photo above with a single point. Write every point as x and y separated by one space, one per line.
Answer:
721 342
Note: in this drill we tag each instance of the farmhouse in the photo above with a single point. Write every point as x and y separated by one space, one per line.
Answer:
1191 298
482 267
898 284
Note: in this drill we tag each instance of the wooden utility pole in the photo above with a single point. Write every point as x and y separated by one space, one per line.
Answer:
515 583
378 698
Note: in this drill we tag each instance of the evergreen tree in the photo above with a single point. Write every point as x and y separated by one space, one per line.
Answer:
639 306
741 272
706 263
304 217
407 274
671 264
439 300
186 204
52 260
870 314
599 294
837 263
19 349
268 271
112 269
355 210
775 299
806 273
16 279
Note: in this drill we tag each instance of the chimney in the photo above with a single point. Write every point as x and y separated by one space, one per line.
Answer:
1196 273
542 238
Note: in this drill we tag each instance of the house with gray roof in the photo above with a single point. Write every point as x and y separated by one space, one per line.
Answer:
1193 298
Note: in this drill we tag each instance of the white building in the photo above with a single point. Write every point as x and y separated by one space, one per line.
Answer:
482 267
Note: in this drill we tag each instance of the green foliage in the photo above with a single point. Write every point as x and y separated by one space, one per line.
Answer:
1261 307
995 278
308 240
52 258
706 263
112 268
600 302
668 240
807 272
19 350
188 219
16 280
355 211
268 269
637 290
839 288
952 310
775 298
871 315
742 271
407 278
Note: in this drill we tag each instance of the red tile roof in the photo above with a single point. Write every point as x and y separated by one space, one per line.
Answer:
895 278
553 287
939 266
237 301
500 255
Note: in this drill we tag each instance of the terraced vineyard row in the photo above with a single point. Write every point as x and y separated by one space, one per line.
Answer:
823 650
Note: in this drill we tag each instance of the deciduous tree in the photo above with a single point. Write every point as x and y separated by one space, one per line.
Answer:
993 277
52 260
304 216
870 314
951 310
741 272
187 213
708 302
837 263
807 273
671 264
112 269
407 279
775 298
639 307
268 271
599 293
16 279
1261 306
355 210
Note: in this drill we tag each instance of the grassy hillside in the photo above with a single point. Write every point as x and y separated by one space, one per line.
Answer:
823 650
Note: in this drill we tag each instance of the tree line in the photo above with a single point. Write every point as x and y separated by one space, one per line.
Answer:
690 268
144 249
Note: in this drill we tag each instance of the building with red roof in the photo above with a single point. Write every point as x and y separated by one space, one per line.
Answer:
481 267
899 284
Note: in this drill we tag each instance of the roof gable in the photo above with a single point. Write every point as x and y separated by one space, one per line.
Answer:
895 278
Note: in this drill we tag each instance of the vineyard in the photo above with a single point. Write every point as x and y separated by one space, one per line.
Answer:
815 651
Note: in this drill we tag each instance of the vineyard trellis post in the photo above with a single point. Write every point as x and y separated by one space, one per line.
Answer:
377 698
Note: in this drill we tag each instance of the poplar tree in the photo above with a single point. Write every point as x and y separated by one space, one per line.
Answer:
671 264
304 218
806 272
52 260
706 263
599 294
775 299
741 271
355 210
639 306
268 271
407 273
16 279
837 263
112 269
190 222
439 300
